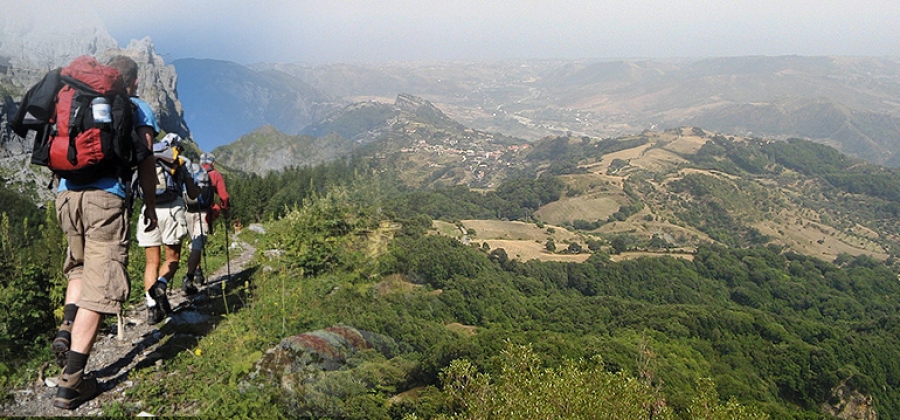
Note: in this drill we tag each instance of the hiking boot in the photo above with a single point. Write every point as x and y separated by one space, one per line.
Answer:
61 343
154 315
74 389
158 293
199 278
187 286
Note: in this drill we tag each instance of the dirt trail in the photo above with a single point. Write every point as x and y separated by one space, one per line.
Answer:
112 360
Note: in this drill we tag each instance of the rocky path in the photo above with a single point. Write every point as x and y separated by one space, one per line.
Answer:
112 360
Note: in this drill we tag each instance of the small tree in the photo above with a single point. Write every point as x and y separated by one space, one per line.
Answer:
499 255
619 245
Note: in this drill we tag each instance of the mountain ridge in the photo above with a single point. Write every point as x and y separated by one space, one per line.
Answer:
532 99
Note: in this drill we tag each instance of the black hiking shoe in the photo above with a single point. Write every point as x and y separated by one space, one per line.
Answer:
74 389
154 315
187 286
158 293
61 343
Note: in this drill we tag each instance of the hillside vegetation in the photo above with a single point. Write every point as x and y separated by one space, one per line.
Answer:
771 290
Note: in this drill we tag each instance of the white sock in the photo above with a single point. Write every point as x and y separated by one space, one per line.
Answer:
150 302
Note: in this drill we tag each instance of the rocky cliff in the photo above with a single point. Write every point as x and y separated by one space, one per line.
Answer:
157 84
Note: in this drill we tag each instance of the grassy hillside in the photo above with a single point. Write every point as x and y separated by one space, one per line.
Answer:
772 281
767 328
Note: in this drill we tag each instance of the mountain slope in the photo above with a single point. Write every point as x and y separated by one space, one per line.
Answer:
267 149
225 100
409 126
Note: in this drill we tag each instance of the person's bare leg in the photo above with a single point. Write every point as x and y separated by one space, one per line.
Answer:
151 269
73 290
84 330
173 258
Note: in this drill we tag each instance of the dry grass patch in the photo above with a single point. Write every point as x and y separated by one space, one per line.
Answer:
447 229
657 160
515 230
462 329
590 208
686 145
530 250
394 283
811 238
626 155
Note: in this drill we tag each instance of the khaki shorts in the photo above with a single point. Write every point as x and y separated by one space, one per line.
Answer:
96 228
198 229
171 228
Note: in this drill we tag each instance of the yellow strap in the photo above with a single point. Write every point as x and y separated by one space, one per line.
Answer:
176 161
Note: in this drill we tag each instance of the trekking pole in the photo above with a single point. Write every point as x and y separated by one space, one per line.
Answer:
227 245
227 267
203 219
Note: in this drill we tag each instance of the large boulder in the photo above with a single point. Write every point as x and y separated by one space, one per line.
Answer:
316 372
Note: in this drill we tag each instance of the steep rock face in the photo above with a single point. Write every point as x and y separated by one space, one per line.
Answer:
157 84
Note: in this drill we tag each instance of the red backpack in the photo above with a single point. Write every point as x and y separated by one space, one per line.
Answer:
91 127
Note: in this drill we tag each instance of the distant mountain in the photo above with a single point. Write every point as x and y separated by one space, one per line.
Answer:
267 149
224 100
846 102
409 125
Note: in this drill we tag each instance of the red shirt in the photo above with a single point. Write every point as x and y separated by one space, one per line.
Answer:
218 184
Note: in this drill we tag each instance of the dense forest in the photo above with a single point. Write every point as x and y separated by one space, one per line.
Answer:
742 330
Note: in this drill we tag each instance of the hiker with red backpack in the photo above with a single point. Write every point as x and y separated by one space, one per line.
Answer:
201 212
92 133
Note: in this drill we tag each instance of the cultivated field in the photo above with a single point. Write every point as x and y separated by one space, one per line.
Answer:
522 241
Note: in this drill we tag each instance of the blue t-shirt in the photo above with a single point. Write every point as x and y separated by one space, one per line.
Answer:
143 117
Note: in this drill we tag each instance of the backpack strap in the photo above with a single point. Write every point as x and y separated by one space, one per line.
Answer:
77 115
80 86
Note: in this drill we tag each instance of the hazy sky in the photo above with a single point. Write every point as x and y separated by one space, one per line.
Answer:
317 31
